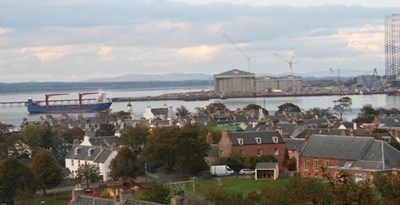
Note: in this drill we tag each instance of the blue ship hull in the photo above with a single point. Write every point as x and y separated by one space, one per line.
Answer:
72 108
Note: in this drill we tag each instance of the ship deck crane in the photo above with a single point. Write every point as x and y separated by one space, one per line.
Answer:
83 94
240 50
47 96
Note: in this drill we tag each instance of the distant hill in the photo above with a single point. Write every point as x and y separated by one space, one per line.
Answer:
155 77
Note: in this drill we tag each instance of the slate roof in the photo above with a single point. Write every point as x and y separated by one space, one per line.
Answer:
97 155
160 111
85 200
266 165
108 140
373 158
234 73
294 144
336 147
250 137
389 122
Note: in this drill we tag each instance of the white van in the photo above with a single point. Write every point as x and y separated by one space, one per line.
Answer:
221 170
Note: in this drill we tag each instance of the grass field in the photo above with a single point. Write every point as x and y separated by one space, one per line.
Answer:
230 185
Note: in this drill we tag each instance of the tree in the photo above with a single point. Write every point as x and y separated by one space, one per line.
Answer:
88 173
388 187
135 137
182 111
176 149
47 170
253 108
263 158
16 179
288 107
122 115
72 134
342 105
124 165
367 114
106 130
33 136
214 107
157 192
234 161
7 144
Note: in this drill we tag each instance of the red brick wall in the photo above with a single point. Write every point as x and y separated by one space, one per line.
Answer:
267 149
311 171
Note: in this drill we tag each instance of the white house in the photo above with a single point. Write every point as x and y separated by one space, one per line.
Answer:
89 153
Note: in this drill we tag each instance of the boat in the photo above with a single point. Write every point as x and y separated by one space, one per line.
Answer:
100 104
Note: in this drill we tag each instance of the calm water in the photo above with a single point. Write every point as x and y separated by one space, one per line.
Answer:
14 115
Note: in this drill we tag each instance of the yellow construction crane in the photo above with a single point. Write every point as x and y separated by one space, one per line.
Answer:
240 50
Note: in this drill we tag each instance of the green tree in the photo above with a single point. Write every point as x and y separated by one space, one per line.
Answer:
182 111
135 137
7 144
234 161
263 158
124 165
69 135
34 137
253 108
106 130
157 192
288 107
342 105
16 180
87 173
122 115
367 115
47 170
176 149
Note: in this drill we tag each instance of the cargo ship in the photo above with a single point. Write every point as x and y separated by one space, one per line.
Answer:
100 104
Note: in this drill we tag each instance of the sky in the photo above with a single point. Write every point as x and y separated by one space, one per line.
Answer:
78 40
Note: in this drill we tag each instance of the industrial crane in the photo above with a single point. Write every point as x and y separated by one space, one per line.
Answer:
291 62
240 50
83 94
336 78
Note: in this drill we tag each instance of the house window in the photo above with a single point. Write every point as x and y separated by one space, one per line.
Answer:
305 165
221 153
259 152
241 153
276 151
316 165
79 163
275 139
240 141
258 140
72 162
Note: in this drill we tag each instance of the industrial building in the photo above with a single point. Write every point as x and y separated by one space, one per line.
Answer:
392 47
284 83
234 81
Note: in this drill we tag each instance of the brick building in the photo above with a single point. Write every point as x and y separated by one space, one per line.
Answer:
254 143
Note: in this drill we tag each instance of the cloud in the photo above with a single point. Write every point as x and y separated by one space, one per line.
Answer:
200 53
46 54
104 51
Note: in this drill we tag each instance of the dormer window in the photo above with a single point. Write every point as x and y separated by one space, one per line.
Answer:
240 141
275 139
89 152
76 151
258 140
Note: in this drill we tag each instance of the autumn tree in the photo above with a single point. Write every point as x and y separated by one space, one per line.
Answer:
182 111
134 137
176 149
214 107
253 108
16 180
124 165
288 107
106 130
47 170
88 173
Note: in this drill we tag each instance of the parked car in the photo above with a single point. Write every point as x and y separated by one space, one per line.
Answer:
246 172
